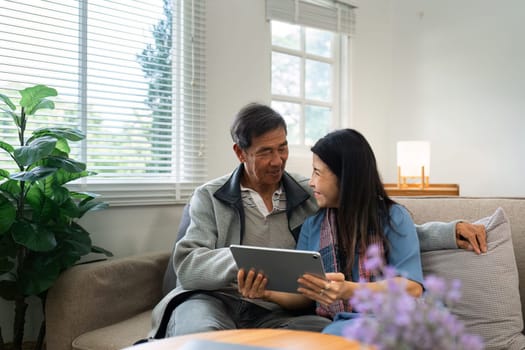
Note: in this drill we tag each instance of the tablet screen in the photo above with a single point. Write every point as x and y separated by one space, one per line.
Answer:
282 267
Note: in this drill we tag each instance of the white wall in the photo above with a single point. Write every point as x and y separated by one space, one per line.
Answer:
371 74
450 71
238 58
458 80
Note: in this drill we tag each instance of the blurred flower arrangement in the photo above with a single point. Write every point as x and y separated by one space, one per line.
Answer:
393 319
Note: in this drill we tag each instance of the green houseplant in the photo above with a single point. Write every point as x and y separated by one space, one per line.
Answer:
39 235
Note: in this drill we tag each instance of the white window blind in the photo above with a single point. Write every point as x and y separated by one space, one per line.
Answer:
130 74
333 15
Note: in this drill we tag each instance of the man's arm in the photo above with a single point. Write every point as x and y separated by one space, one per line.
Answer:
452 235
202 257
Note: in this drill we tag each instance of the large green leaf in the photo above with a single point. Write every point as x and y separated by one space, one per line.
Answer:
33 98
99 250
70 209
34 174
77 240
13 115
49 184
85 201
59 153
7 147
42 104
35 197
84 196
60 195
7 214
51 188
82 242
66 257
48 211
4 174
44 209
66 133
91 206
68 164
62 177
73 243
62 148
10 187
81 204
36 150
35 237
38 275
7 101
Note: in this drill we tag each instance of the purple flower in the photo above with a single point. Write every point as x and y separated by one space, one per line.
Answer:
393 319
389 272
364 330
435 286
454 293
374 251
373 264
471 342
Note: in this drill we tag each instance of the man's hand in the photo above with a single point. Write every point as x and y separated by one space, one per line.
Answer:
251 284
471 237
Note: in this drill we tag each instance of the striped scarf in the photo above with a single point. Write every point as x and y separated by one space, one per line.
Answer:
332 263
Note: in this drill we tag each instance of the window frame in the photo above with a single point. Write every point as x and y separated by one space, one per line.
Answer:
339 85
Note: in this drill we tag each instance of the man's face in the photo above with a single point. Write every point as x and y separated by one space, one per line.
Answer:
265 159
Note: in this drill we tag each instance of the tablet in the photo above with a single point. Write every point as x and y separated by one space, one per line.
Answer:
282 267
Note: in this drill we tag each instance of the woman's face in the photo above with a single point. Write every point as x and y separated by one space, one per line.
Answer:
325 184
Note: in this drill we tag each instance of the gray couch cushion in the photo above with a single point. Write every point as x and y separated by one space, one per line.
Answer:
426 209
115 336
490 305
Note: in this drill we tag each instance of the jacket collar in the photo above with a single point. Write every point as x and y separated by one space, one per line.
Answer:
230 192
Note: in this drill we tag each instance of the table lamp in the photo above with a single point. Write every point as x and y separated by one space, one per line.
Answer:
413 162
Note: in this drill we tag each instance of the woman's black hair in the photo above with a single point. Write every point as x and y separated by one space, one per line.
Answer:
363 202
254 120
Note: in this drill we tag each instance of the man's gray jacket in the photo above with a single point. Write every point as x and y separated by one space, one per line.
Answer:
202 260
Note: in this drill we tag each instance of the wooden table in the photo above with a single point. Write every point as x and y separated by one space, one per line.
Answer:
416 190
270 338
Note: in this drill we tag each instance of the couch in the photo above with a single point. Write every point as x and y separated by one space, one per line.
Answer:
106 305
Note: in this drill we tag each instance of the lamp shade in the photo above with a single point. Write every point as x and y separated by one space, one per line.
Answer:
411 156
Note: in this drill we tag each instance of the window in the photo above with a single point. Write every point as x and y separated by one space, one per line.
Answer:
128 74
304 80
309 64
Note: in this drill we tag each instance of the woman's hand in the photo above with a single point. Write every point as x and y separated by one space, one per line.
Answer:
252 284
325 291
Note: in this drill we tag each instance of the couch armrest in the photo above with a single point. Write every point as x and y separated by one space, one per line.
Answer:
94 295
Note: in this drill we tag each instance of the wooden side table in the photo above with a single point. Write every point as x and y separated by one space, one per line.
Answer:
428 190
282 339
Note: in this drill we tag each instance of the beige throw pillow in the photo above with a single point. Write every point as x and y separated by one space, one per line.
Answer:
490 305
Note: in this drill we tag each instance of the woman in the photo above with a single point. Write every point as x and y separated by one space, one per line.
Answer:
355 212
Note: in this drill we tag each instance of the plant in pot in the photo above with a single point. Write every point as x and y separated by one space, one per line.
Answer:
39 235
